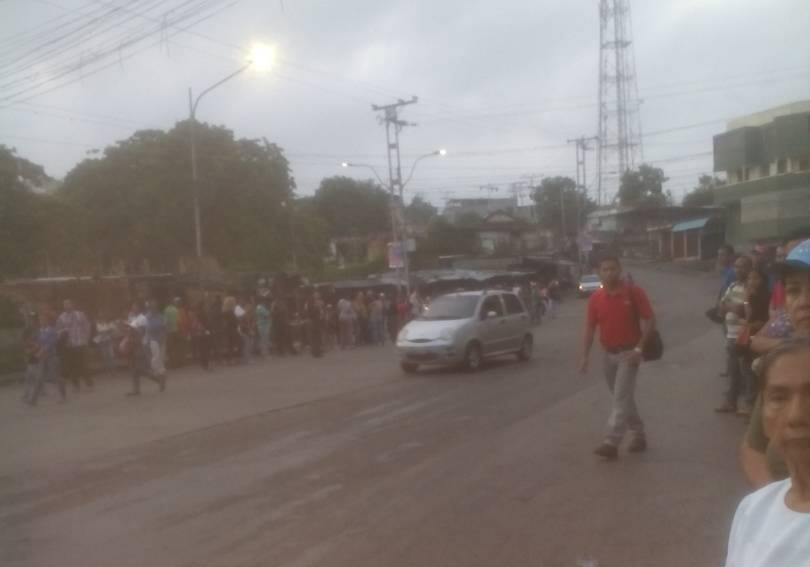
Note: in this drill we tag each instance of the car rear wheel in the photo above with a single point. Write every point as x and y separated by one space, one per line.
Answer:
409 367
526 348
473 357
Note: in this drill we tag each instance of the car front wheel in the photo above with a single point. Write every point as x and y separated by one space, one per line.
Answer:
526 348
473 357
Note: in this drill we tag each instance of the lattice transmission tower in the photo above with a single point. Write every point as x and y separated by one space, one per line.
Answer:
620 142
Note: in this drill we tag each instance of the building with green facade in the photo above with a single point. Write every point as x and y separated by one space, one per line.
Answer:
766 159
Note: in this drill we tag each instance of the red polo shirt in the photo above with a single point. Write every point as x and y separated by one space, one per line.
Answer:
616 316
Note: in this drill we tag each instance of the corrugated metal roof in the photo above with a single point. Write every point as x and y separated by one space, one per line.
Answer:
690 224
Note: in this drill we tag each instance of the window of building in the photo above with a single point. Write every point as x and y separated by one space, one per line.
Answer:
749 173
764 170
804 164
781 165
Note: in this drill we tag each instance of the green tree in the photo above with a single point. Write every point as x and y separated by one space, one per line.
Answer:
137 200
34 226
469 219
444 238
556 195
703 194
352 208
643 187
420 212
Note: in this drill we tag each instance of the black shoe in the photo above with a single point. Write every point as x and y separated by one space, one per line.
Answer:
608 451
637 445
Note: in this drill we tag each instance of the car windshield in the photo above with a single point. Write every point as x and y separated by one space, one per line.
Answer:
450 307
590 279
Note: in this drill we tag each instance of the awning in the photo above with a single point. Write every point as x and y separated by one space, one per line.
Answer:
690 224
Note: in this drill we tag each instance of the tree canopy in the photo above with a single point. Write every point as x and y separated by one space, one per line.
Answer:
136 200
352 208
419 211
555 194
643 187
703 194
32 226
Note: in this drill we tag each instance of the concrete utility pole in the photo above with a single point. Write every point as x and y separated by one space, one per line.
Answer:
582 177
393 126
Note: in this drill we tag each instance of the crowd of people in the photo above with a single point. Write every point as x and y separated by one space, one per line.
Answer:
150 339
764 307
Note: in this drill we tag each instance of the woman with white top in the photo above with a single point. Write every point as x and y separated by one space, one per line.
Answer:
771 527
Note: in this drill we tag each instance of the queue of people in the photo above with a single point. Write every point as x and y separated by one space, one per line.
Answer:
151 340
770 371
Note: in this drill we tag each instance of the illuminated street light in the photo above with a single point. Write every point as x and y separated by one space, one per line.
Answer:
261 58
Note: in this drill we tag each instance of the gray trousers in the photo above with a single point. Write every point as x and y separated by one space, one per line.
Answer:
621 380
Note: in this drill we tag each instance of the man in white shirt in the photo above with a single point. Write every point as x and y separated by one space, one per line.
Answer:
771 527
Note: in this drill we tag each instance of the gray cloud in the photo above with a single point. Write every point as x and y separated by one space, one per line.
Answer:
495 80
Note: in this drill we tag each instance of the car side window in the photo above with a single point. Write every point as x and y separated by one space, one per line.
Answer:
491 303
513 305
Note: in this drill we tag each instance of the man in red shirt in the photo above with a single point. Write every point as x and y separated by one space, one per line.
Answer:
625 320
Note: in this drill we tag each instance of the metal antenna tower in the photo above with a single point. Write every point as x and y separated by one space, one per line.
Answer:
620 146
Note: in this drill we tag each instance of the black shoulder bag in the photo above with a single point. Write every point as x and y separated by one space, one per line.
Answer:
653 349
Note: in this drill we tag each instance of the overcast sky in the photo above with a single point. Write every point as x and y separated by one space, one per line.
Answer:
502 84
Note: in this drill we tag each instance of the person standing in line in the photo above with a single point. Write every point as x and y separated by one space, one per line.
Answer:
417 303
263 327
137 348
171 314
771 526
74 330
732 308
760 461
346 317
361 319
376 319
280 322
315 316
216 326
201 335
106 337
47 360
625 320
155 334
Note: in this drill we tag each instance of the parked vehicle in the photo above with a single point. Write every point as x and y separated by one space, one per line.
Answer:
465 328
588 285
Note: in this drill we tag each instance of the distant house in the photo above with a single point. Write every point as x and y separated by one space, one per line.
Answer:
637 231
503 233
766 158
695 239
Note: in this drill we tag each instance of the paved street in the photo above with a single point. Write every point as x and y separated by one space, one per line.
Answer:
345 461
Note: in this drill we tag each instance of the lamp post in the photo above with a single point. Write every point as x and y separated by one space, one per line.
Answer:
260 57
399 232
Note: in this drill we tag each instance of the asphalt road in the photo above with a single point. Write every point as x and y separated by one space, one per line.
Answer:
344 461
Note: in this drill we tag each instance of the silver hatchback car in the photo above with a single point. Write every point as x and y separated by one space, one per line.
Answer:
464 328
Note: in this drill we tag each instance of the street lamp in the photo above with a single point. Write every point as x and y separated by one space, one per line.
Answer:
399 235
261 58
